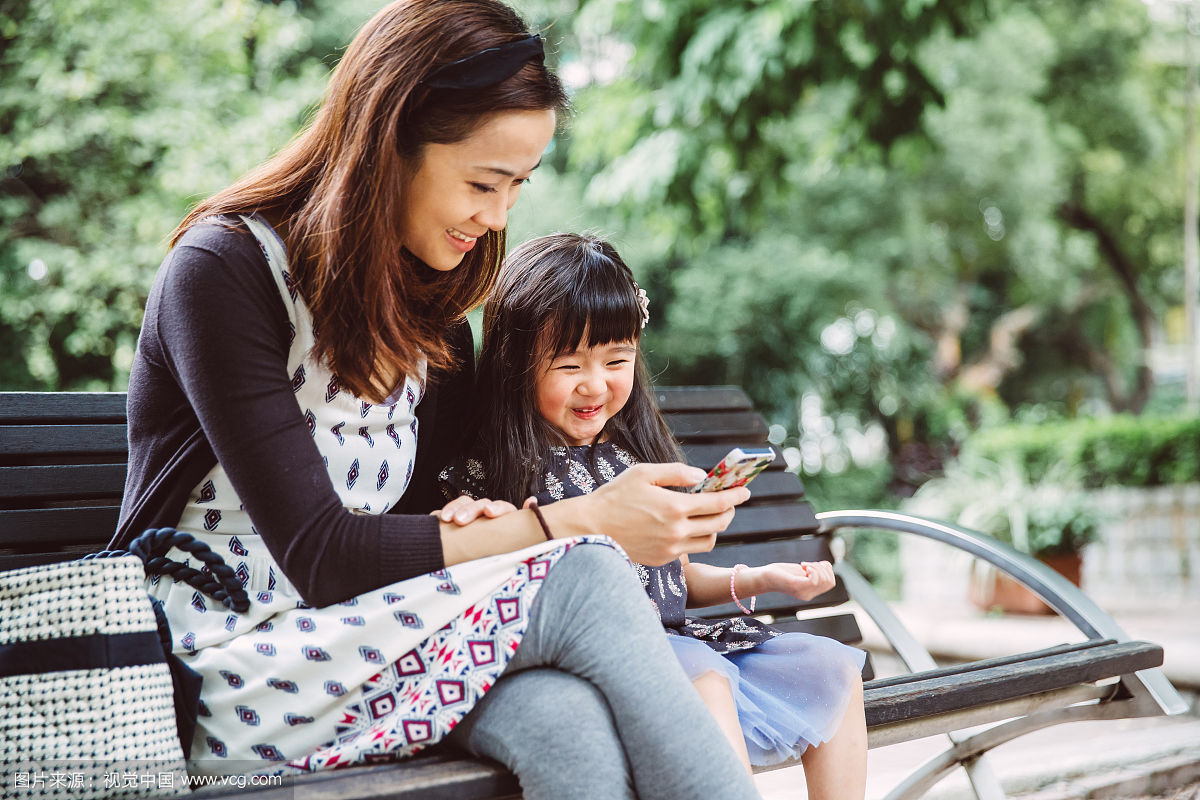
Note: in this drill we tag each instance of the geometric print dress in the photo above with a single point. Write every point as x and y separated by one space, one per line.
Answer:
289 687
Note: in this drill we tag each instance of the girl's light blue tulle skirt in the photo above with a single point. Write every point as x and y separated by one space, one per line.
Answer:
790 691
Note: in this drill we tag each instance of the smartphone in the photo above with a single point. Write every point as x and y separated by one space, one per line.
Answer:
737 468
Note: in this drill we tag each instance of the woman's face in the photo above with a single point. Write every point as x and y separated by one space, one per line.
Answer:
462 190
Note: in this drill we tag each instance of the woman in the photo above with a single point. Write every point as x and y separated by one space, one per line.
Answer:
301 370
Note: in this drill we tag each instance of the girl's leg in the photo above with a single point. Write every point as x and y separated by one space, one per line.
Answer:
554 731
837 769
592 620
714 691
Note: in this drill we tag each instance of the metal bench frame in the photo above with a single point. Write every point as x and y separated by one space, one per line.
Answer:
1144 693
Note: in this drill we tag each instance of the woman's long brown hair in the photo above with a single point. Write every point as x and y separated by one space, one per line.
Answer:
339 188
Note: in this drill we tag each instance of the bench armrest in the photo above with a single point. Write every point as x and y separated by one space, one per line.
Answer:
1055 590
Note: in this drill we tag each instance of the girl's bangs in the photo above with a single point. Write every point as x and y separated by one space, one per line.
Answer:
602 306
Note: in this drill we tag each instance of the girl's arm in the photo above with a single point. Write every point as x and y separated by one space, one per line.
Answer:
655 525
709 585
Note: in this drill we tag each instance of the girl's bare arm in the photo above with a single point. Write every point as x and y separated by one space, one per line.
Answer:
709 585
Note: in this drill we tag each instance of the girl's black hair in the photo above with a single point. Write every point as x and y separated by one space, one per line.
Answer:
553 292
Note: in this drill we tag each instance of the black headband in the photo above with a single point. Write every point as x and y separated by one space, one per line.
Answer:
487 67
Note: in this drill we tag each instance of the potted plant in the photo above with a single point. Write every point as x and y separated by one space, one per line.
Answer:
1049 519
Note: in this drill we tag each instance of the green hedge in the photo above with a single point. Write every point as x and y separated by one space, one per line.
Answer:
1121 450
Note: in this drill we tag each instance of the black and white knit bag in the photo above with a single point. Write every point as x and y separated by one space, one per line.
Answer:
87 706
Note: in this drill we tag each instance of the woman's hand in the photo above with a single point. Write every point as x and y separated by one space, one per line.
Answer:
464 510
804 581
654 524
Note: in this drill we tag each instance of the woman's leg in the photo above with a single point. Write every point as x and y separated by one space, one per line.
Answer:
837 769
718 698
592 620
554 731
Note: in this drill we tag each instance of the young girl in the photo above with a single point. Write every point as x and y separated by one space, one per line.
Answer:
564 407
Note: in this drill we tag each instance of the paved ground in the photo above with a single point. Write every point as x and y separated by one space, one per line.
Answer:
1189 792
1149 758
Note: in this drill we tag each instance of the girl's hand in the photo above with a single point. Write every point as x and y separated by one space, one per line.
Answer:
804 581
464 510
655 524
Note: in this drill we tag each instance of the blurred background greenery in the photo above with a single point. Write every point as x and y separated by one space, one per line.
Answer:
901 226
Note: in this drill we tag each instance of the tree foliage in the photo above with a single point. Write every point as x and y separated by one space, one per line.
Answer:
906 218
114 117
1016 219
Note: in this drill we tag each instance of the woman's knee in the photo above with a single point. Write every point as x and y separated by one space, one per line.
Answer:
550 728
540 709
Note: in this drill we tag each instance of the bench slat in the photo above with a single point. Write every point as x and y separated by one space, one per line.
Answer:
435 777
763 522
22 560
28 407
776 486
810 548
735 426
970 688
998 661
701 398
43 440
843 627
62 481
49 528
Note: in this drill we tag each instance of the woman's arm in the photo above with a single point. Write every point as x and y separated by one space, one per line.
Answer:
654 524
219 339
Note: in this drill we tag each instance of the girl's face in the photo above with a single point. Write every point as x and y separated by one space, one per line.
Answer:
461 191
578 392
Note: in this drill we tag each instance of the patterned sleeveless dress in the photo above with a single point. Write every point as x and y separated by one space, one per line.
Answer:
791 689
290 687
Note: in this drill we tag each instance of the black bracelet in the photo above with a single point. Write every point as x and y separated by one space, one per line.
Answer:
537 512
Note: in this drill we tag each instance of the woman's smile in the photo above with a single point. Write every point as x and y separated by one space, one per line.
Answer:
460 241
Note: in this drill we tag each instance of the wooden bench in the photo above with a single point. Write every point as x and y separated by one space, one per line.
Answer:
62 468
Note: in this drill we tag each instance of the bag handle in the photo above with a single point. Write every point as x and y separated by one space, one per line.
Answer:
217 580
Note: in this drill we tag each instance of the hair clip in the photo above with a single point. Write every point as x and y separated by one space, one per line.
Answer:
644 302
487 67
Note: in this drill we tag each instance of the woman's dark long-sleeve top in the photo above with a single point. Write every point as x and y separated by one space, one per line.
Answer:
209 383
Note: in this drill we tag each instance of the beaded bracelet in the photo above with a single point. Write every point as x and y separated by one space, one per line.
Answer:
537 512
733 592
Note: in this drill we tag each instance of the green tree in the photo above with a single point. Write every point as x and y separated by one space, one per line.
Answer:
1014 220
114 117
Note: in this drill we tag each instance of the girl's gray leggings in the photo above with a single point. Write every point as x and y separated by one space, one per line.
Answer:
595 705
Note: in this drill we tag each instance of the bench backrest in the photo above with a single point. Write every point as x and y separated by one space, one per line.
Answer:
63 459
62 471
